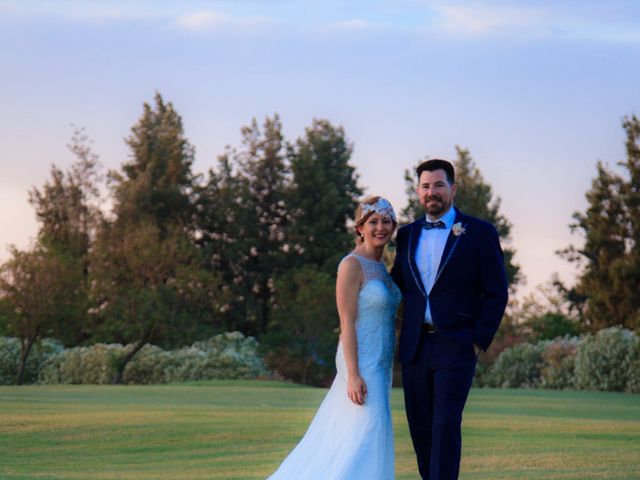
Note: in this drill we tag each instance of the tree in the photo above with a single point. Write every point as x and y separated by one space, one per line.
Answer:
474 197
630 269
301 342
323 195
242 223
224 218
157 183
413 210
67 205
148 281
149 285
67 209
546 313
610 256
552 325
40 286
262 167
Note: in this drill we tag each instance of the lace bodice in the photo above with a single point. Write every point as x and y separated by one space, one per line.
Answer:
378 301
373 270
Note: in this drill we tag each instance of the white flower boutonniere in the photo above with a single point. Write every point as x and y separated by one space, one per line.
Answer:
458 229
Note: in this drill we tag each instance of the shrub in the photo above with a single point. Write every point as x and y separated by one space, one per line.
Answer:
633 382
225 356
9 357
487 359
94 365
38 356
558 367
603 360
229 355
518 366
147 366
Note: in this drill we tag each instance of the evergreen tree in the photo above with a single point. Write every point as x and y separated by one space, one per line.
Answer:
145 264
610 256
260 222
630 269
321 199
157 183
323 195
474 197
224 219
67 210
413 210
67 205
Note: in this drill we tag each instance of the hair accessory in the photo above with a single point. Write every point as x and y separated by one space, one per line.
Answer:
381 207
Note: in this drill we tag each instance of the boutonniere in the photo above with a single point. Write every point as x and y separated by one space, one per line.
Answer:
458 229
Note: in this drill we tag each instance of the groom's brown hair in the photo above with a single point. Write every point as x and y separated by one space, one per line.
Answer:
437 164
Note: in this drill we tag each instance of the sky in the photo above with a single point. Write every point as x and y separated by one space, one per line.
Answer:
535 90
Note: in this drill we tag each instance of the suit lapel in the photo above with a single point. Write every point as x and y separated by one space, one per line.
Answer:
449 247
414 237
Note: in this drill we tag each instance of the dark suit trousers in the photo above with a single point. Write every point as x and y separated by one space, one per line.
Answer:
436 385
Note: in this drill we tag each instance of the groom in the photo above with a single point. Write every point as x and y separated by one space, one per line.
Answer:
450 269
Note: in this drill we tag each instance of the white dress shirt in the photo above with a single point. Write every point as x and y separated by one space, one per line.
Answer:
429 253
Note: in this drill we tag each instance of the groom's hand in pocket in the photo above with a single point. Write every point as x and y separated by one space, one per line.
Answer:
356 389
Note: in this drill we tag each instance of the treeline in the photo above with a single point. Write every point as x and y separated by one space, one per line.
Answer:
161 254
157 253
251 246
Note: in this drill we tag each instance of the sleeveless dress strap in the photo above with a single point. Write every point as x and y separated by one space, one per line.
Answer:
372 269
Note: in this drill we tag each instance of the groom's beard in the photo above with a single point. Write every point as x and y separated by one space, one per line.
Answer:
437 207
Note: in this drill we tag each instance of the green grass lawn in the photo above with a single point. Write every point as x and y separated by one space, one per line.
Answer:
243 429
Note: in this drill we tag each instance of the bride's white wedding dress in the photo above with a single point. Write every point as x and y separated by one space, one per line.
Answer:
346 441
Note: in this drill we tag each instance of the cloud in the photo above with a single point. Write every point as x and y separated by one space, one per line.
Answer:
202 20
591 21
353 24
78 11
487 19
111 16
209 20
139 10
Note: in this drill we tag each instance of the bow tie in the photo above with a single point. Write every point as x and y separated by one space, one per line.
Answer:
429 225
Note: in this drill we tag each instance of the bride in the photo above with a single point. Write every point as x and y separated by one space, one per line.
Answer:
351 436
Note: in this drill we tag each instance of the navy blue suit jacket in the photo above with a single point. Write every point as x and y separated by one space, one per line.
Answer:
470 293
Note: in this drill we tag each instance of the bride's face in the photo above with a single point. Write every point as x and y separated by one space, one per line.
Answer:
377 230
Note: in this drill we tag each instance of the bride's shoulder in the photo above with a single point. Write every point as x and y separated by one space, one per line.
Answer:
350 272
349 265
349 261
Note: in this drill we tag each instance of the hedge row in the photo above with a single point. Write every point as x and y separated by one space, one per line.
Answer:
227 356
607 361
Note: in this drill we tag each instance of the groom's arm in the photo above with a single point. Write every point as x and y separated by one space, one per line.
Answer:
494 288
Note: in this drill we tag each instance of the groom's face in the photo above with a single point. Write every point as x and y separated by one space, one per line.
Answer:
435 192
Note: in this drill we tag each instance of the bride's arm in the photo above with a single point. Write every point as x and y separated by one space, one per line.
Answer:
350 278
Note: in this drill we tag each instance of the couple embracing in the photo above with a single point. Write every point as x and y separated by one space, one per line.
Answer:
449 271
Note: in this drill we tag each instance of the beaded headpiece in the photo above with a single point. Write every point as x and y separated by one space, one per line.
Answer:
381 207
